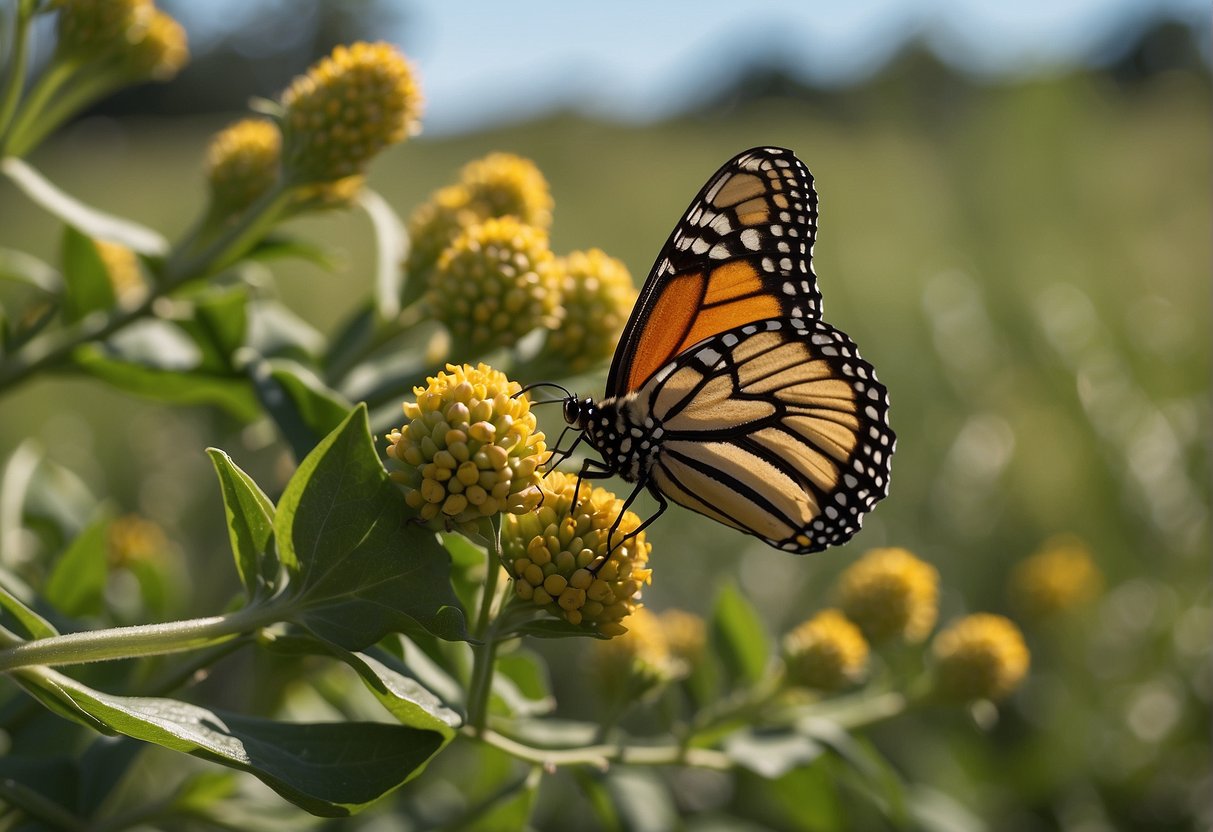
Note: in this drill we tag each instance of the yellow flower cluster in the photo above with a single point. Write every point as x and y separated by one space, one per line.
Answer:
134 539
346 109
500 184
242 163
597 294
122 268
556 555
471 447
101 28
1059 577
162 51
637 661
144 41
494 284
685 634
826 653
890 593
981 656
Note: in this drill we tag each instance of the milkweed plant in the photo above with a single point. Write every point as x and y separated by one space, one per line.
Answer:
424 542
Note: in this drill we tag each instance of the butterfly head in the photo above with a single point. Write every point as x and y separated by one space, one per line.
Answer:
579 412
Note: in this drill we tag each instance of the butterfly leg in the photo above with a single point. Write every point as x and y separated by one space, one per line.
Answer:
591 469
558 455
663 504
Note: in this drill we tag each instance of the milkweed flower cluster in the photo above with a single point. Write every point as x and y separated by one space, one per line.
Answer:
1061 576
890 593
346 109
597 294
479 252
981 656
827 652
558 556
494 284
129 36
498 185
471 447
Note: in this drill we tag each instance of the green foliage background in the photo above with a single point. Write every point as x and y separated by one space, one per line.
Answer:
1027 267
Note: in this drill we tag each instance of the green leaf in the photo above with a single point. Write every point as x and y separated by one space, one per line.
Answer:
223 314
402 695
329 769
19 618
642 799
96 224
304 410
881 779
25 268
934 811
87 282
278 245
159 360
359 569
509 808
350 342
391 246
276 332
522 683
771 754
250 526
76 586
738 637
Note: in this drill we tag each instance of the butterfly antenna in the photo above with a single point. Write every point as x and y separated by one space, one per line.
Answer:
535 385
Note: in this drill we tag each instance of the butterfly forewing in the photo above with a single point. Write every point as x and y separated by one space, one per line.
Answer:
778 428
742 252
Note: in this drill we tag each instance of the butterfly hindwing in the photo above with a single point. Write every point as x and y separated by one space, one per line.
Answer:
742 252
778 428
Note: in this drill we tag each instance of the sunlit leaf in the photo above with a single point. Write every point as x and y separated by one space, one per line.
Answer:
359 569
391 247
771 753
76 586
330 769
250 525
738 637
86 280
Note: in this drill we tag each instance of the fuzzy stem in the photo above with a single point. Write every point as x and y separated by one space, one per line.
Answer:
485 651
141 640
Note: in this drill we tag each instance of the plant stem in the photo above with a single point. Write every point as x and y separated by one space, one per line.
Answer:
484 652
17 61
603 755
141 640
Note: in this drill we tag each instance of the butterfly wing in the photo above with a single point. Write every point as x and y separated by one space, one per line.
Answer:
777 428
742 252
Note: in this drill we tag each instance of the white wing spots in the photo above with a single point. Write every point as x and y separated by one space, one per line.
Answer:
789 288
785 264
699 245
721 225
729 340
708 356
768 265
719 251
750 239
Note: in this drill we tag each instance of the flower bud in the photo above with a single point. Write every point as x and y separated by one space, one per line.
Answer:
890 593
826 653
981 656
597 294
1059 577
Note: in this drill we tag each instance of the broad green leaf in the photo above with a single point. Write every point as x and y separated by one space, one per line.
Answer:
250 525
360 569
509 808
771 754
522 684
329 769
402 695
594 788
223 314
76 586
643 801
391 247
160 361
73 212
16 616
303 408
277 245
350 342
276 332
18 266
805 798
86 281
738 637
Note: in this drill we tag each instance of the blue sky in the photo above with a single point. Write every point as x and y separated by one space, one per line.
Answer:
484 61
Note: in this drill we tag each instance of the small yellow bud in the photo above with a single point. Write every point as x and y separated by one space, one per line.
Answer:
890 593
827 652
981 656
1059 577
597 295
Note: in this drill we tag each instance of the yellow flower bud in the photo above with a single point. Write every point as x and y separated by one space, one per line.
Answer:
637 661
981 656
1059 577
826 653
450 479
133 539
347 108
122 269
242 163
597 295
494 284
890 593
93 29
552 551
162 51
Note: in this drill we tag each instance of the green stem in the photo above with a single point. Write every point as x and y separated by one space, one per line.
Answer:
35 125
234 242
600 756
484 652
57 77
141 640
17 60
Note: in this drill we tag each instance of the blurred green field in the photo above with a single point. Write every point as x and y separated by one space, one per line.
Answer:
1027 267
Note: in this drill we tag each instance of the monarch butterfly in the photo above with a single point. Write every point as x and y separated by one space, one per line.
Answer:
728 394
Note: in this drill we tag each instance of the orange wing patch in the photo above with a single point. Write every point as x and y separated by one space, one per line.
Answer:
737 188
666 325
735 278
